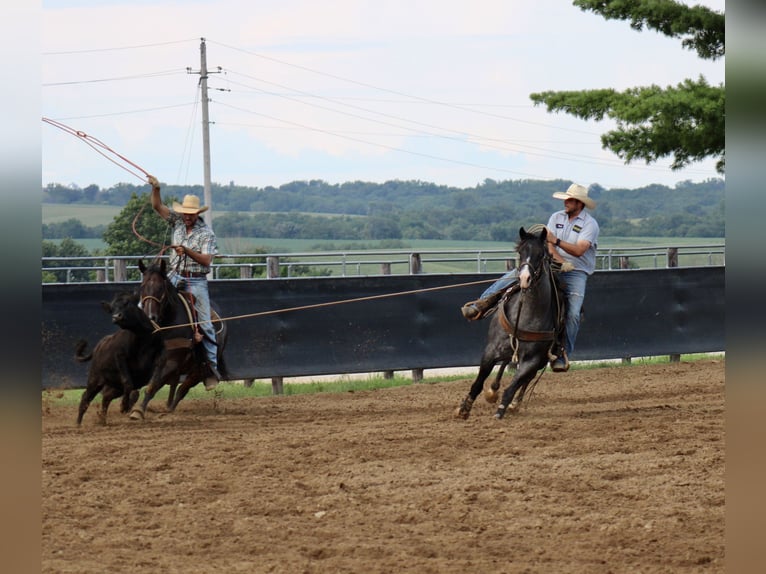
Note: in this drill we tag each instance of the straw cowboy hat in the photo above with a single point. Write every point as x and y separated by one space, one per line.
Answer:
190 205
577 192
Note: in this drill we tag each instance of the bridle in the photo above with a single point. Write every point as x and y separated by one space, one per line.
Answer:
535 272
160 301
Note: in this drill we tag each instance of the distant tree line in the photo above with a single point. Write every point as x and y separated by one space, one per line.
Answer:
400 210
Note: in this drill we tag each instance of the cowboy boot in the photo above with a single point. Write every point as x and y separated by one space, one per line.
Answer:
561 363
475 310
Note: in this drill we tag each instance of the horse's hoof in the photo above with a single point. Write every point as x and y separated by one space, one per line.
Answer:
464 409
500 412
491 396
136 415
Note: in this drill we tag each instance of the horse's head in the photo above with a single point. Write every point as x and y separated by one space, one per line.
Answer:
155 289
532 251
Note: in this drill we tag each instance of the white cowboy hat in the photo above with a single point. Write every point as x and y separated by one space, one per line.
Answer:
190 205
578 192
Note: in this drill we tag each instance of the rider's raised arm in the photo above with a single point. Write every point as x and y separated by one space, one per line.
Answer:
162 210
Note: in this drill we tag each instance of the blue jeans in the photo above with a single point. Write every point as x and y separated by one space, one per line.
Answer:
573 283
197 286
502 284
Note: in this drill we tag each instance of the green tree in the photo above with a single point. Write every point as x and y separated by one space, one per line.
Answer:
66 248
137 229
685 122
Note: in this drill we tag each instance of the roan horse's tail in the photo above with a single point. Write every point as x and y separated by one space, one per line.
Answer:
79 351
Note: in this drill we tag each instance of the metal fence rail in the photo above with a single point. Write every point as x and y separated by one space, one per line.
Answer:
108 269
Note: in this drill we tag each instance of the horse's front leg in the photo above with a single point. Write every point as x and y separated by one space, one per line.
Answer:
519 382
485 369
155 384
189 381
491 394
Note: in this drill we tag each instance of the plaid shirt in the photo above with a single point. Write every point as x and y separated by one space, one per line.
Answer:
201 239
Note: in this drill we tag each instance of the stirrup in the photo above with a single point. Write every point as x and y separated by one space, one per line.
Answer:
561 363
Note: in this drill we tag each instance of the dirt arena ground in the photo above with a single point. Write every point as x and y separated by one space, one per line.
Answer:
609 470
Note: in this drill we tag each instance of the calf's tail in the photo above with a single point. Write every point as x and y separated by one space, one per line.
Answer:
79 351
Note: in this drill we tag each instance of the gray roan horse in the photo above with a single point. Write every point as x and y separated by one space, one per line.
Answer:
164 305
524 329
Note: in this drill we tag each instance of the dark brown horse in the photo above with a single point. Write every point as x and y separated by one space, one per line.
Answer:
524 329
172 312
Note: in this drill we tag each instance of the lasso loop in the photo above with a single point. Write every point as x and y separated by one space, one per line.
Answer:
105 150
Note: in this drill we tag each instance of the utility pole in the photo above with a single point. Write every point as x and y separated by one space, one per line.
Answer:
205 129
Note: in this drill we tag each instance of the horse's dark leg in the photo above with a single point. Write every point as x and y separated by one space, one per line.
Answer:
171 396
155 384
183 389
132 399
524 373
125 404
485 368
490 394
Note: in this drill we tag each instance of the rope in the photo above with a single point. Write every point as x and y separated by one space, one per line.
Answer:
331 303
100 147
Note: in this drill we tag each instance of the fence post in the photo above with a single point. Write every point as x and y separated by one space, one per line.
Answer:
416 265
672 256
510 264
385 269
272 267
624 262
416 268
673 262
245 272
120 270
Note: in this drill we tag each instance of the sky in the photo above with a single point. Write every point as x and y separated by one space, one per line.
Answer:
343 90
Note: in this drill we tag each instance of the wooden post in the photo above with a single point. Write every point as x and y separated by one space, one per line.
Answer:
673 262
277 386
120 270
246 272
672 256
416 265
385 269
624 262
101 275
510 264
272 267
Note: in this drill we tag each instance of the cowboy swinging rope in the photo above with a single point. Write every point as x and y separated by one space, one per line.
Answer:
105 151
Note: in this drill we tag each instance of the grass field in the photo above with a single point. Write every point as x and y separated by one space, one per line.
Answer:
350 383
92 215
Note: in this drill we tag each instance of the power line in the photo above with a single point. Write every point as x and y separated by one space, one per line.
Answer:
115 79
116 49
